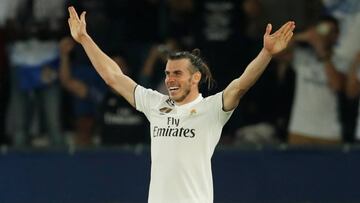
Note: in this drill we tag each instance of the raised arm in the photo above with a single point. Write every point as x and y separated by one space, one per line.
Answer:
104 65
273 43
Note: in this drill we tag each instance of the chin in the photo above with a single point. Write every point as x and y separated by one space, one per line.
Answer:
174 98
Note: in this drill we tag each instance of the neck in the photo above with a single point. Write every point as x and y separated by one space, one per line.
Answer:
189 98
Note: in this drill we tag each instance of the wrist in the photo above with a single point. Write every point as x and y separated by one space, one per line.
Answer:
84 38
264 52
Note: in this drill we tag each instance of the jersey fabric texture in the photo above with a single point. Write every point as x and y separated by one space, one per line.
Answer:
314 110
183 139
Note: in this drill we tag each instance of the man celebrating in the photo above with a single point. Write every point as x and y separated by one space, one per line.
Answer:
185 127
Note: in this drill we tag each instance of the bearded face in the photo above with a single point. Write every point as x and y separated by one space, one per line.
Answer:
180 81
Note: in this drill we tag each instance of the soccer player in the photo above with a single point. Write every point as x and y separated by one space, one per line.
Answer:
185 127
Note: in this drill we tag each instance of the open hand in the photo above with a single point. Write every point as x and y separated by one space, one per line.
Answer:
77 25
278 41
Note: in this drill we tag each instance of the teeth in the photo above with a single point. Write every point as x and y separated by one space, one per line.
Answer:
173 88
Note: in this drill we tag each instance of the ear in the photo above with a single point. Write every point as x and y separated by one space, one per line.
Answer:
197 76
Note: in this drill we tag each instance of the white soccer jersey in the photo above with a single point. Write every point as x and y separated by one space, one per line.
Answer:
314 110
183 139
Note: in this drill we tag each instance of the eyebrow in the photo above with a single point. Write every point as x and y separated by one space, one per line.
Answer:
175 71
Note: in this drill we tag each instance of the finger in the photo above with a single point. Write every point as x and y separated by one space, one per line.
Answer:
82 16
73 13
69 22
287 31
283 27
289 28
70 14
268 29
288 36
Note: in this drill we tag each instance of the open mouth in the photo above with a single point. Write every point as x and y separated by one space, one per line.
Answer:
173 89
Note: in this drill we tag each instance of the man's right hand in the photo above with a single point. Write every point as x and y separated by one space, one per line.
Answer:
77 25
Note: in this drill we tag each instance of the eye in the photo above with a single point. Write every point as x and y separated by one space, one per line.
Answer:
178 73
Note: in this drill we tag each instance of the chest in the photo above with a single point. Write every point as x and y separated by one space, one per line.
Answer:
175 118
180 125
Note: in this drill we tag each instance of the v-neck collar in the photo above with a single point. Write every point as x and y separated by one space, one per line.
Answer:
190 104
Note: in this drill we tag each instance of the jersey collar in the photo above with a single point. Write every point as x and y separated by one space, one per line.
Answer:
192 103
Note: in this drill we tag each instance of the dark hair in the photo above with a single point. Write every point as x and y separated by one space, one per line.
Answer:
197 63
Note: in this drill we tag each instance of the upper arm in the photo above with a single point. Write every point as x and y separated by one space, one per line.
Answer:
146 99
125 86
232 95
220 115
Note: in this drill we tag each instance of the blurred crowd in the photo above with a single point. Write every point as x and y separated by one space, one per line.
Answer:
51 95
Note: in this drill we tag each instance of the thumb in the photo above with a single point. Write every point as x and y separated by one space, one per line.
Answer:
82 16
268 29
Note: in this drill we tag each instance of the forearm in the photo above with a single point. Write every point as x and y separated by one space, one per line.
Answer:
335 78
64 72
352 82
109 70
241 85
254 70
76 87
103 64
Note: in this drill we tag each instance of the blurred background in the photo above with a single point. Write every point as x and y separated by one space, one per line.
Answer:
65 136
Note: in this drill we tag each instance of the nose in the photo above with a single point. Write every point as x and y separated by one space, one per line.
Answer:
170 78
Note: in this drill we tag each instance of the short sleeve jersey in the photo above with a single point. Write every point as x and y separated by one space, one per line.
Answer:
314 110
183 139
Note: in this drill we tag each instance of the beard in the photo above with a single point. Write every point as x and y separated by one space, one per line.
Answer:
183 96
186 92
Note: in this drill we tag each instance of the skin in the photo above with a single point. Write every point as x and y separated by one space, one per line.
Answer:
181 83
178 73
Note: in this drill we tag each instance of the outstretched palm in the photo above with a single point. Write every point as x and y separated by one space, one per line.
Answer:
77 25
278 41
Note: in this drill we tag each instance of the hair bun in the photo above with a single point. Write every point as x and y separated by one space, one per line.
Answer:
196 52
